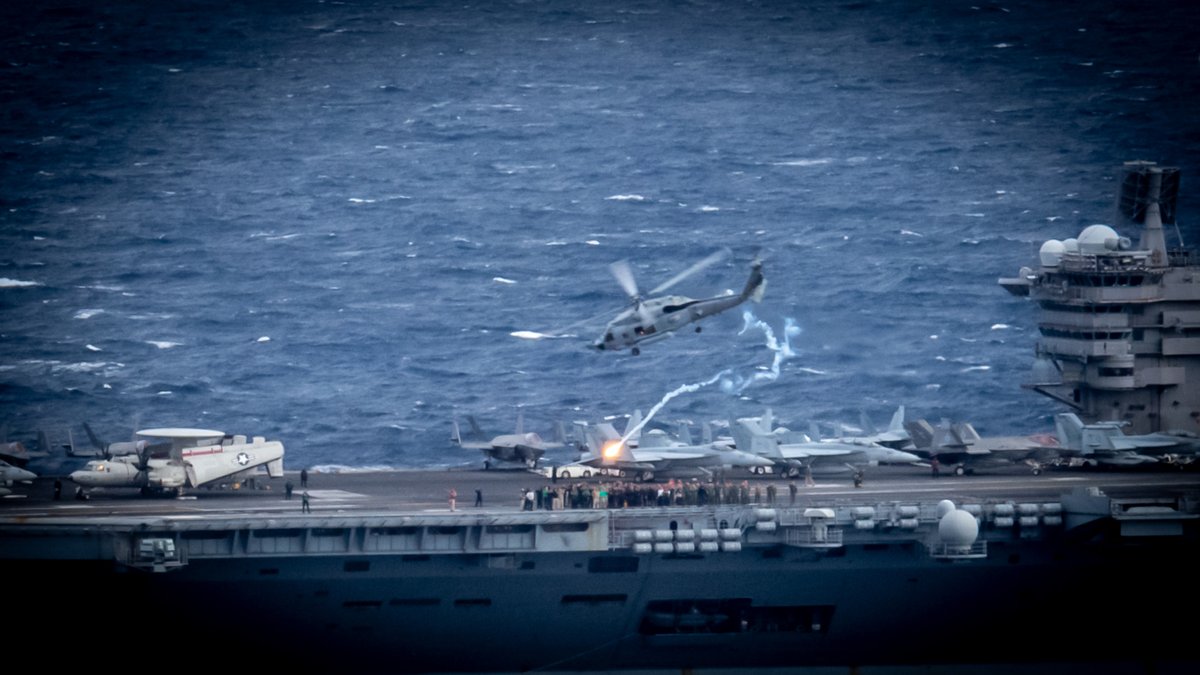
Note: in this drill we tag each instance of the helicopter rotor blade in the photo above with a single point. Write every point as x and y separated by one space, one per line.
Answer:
707 262
624 275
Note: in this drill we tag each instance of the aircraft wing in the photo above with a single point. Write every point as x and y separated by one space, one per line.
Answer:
798 452
680 457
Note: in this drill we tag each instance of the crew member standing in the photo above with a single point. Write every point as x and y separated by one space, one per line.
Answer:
453 497
478 497
303 478
304 507
935 467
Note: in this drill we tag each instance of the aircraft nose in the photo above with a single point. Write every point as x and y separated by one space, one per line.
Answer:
598 345
905 457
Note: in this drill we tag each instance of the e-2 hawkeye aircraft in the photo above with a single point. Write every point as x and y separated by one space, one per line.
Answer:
172 459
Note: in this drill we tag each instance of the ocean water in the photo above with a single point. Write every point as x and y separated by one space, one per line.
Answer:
321 222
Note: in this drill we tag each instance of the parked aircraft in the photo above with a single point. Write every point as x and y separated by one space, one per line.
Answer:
960 449
651 319
643 464
16 454
894 436
10 474
520 447
1104 443
820 456
171 459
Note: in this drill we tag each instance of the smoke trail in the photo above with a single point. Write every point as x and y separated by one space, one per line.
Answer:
736 384
683 389
732 383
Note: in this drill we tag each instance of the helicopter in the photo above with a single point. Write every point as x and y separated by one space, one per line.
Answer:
650 319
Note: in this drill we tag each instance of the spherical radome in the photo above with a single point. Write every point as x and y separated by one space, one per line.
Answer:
1051 253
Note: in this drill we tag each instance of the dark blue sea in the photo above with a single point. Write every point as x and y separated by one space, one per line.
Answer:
322 222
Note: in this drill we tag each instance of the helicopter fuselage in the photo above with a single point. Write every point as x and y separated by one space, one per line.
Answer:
658 318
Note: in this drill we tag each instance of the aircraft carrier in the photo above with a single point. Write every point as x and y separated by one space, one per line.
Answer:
1066 571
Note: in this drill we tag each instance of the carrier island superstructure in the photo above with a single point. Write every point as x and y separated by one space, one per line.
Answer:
1120 322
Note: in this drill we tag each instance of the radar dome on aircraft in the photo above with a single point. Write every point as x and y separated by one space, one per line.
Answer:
1051 253
1101 239
945 506
958 529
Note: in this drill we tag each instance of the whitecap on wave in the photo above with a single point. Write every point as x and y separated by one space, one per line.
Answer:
502 280
17 283
163 344
801 162
85 366
626 198
87 313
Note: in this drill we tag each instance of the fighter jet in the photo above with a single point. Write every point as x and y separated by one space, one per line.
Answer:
16 454
894 436
608 450
10 474
757 435
959 448
521 447
1105 444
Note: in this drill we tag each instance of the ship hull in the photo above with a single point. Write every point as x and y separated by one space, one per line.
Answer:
775 606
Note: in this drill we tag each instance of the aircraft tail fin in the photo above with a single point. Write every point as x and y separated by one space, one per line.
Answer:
897 423
632 432
275 468
684 433
43 447
921 433
814 432
946 436
706 434
455 436
749 437
476 431
1069 429
96 443
965 431
607 444
756 285
868 428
